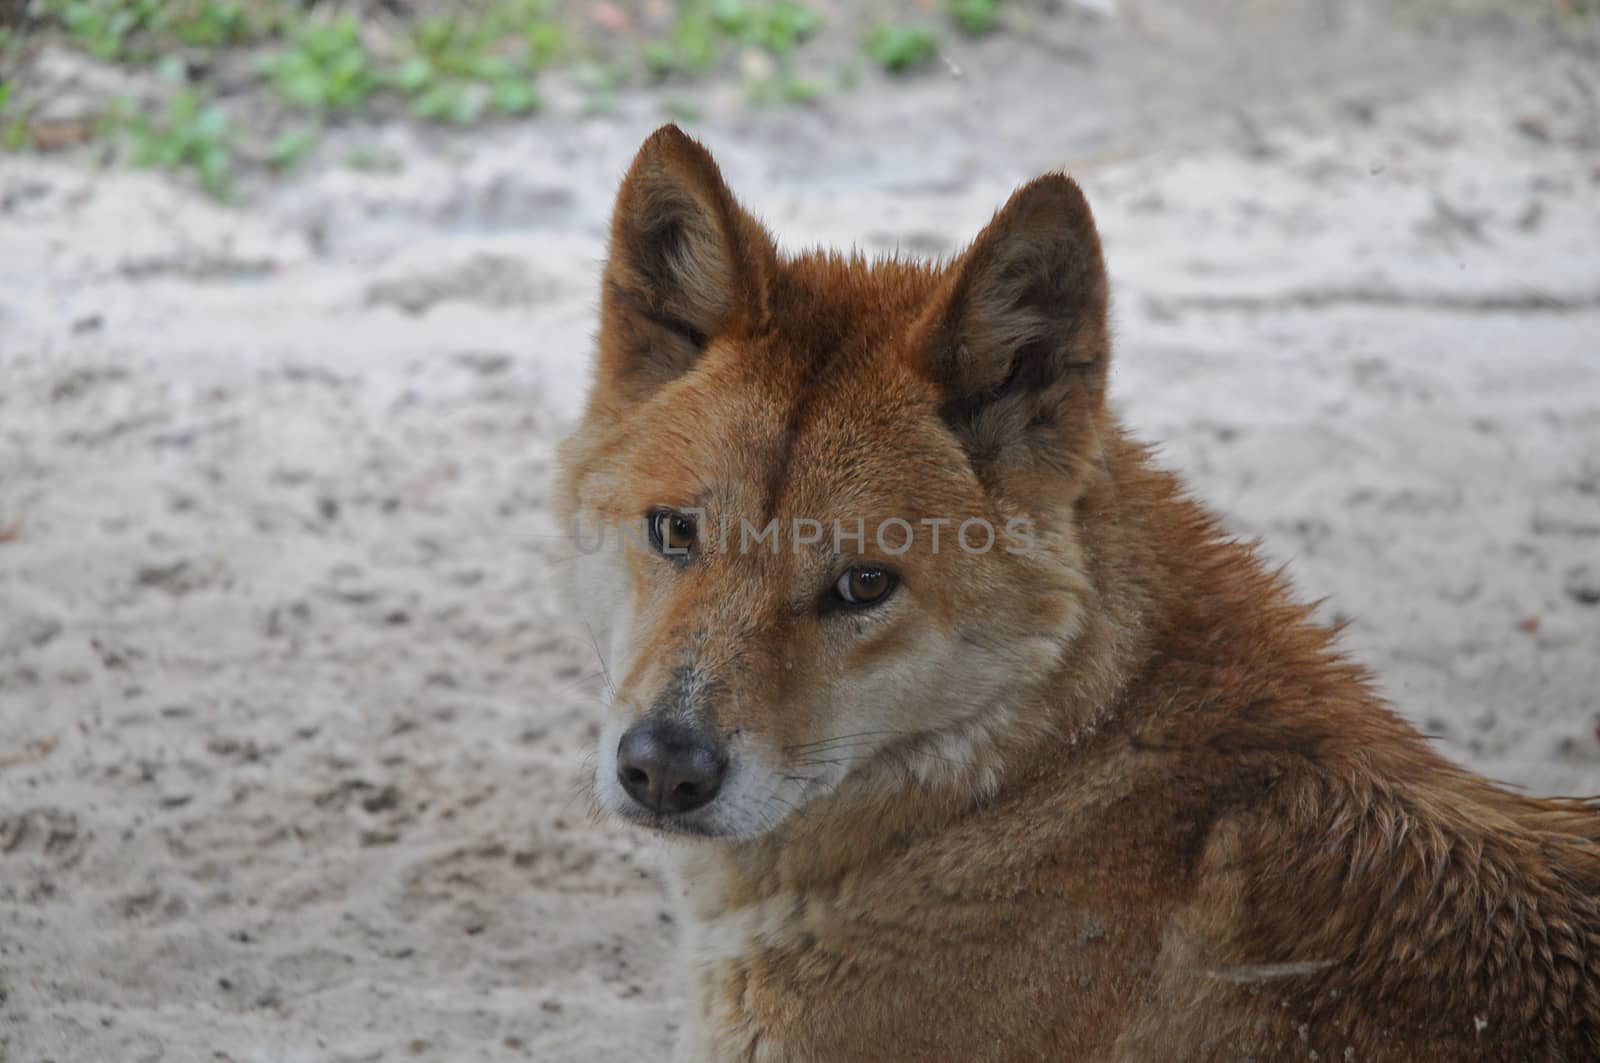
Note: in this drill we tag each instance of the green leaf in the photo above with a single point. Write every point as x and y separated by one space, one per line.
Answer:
326 66
801 90
211 124
413 76
975 17
215 174
448 102
15 135
305 87
659 57
514 97
491 67
785 25
172 68
731 16
546 40
291 147
900 48
468 108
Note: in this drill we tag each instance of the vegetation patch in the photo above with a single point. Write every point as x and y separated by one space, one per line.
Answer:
256 83
899 49
191 134
325 68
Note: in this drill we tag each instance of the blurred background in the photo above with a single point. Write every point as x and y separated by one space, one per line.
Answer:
296 300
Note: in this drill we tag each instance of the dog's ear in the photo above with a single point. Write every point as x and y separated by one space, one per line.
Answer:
686 264
1017 338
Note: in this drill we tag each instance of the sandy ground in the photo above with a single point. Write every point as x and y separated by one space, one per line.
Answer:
292 733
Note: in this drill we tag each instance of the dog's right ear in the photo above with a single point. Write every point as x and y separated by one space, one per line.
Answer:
1018 338
686 264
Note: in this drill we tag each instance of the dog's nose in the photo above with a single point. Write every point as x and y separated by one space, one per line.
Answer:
668 767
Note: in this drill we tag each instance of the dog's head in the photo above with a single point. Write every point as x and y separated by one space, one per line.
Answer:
824 507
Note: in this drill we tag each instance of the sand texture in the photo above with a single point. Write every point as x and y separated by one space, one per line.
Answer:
293 734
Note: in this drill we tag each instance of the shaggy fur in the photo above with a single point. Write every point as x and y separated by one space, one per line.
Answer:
1116 797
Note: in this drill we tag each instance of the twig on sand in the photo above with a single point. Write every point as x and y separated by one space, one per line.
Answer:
35 752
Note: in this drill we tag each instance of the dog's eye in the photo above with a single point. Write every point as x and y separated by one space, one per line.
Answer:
672 534
864 585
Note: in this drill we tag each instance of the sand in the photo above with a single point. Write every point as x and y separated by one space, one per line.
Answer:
293 733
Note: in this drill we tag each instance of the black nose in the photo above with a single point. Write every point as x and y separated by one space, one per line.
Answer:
669 767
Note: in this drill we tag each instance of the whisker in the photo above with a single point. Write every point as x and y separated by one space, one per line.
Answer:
822 762
611 688
839 747
841 738
582 679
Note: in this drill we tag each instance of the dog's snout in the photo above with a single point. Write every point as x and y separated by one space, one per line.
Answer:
668 767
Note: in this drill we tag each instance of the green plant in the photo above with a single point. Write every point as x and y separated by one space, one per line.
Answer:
459 46
173 69
547 41
784 89
601 84
514 96
13 127
192 134
291 147
777 27
542 40
448 101
373 160
109 28
689 48
102 26
975 17
901 48
465 64
326 67
214 23
692 45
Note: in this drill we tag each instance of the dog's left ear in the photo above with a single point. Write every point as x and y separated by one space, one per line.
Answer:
687 263
1017 339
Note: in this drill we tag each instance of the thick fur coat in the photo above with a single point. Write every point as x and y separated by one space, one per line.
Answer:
1115 796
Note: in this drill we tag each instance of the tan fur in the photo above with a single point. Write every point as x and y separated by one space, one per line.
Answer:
1117 798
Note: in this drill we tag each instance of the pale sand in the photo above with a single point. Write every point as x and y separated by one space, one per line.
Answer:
292 733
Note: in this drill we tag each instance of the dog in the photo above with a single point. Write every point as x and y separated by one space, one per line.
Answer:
974 737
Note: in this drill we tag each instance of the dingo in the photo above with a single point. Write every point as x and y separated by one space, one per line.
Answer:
978 740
